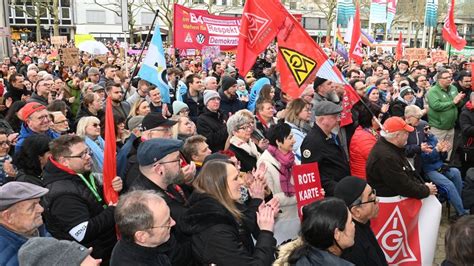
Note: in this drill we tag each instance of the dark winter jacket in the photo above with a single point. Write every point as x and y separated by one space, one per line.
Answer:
195 108
330 156
311 256
390 173
413 147
72 212
35 98
212 126
247 161
216 239
126 253
230 105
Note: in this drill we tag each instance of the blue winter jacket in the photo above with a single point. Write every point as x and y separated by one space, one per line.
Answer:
10 243
434 160
25 132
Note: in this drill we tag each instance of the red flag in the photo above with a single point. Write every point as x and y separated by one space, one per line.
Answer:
356 52
110 162
450 32
472 76
261 20
399 52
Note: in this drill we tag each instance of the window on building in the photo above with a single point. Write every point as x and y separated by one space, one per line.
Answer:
19 12
323 25
224 2
65 13
31 11
147 18
43 12
293 5
117 19
65 3
311 23
95 16
198 1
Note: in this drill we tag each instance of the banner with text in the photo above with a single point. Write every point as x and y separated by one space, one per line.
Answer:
307 184
467 52
407 229
194 29
416 54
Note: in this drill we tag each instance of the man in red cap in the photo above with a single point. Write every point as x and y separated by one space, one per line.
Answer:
388 169
35 121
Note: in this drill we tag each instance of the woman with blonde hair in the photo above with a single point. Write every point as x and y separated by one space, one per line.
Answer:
298 116
140 107
215 221
184 129
88 128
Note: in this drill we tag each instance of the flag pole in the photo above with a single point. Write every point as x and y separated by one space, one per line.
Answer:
135 70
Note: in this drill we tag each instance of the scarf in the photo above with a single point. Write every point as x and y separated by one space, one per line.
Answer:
97 151
286 164
412 102
248 146
264 123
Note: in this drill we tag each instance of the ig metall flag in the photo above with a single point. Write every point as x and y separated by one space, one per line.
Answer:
153 68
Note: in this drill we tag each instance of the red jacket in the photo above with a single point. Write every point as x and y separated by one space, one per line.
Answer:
361 144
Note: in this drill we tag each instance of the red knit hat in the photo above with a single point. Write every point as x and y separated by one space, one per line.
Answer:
29 109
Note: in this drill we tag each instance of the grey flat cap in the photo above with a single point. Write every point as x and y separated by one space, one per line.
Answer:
326 108
14 192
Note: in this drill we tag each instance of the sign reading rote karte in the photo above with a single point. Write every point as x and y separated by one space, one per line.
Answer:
307 185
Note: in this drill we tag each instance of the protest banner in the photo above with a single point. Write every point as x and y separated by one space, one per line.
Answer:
194 29
307 184
467 52
79 38
407 229
70 56
58 40
440 56
416 54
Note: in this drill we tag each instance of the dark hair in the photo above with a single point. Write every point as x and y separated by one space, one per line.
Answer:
12 117
13 77
190 147
443 71
459 241
265 92
215 64
320 220
353 82
57 105
365 117
349 73
61 146
261 102
278 132
27 159
416 78
190 79
462 75
379 81
110 85
88 99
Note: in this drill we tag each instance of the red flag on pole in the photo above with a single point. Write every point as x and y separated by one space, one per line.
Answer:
110 162
450 32
399 51
261 20
356 53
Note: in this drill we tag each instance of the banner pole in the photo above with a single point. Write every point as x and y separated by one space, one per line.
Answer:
135 70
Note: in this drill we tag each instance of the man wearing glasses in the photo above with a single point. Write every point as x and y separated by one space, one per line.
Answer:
144 236
159 161
361 199
75 208
443 101
35 121
42 90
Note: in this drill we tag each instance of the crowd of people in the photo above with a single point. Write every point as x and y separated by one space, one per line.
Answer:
206 179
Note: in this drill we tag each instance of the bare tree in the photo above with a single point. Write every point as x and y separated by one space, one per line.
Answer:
328 8
115 7
34 9
53 10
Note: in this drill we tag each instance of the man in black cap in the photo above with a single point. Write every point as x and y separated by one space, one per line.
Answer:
153 126
230 103
20 218
324 90
324 147
159 161
362 202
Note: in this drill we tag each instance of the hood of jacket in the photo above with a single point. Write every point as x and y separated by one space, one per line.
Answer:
204 212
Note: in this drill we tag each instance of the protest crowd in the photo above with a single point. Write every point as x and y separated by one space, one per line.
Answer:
204 171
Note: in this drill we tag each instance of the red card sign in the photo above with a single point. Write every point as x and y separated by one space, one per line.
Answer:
396 230
307 184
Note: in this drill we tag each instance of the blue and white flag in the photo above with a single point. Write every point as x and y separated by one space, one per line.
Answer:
378 11
345 10
431 13
153 68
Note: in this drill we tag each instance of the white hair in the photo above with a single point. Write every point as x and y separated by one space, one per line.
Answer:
209 78
388 135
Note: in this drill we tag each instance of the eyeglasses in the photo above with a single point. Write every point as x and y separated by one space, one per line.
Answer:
173 161
5 143
374 200
43 117
82 155
247 127
96 125
168 226
60 122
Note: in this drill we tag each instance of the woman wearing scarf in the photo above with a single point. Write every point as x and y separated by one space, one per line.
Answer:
240 128
89 129
407 97
279 160
298 115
